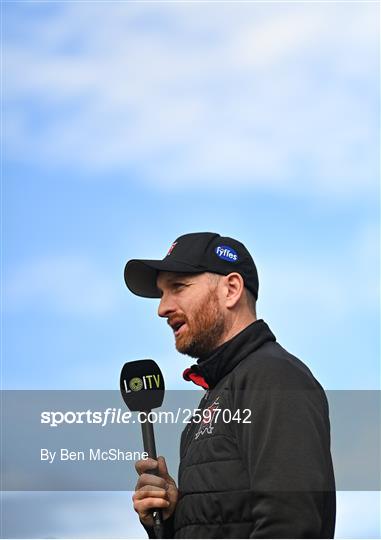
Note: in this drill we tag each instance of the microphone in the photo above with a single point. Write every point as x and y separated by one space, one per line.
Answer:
142 389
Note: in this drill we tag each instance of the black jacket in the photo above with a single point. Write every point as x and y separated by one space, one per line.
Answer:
270 478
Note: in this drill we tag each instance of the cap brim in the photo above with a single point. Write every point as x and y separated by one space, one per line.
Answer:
140 275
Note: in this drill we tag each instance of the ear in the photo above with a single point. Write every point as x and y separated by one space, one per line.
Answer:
233 290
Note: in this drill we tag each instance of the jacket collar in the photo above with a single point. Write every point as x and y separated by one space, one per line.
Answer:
211 369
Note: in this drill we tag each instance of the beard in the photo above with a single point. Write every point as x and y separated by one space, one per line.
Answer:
205 328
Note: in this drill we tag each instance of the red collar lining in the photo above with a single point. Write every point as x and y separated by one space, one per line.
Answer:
196 378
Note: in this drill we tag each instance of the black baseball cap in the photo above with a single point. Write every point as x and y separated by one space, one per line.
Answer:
193 253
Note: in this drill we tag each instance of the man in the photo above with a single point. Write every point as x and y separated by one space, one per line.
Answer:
257 463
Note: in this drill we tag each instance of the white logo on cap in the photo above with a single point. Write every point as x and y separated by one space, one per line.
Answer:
226 253
171 248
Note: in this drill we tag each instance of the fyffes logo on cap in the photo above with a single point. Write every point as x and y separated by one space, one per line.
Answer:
226 253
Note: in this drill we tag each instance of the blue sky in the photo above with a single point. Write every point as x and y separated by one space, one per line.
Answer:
128 124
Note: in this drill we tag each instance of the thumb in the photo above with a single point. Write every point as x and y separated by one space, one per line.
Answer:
162 468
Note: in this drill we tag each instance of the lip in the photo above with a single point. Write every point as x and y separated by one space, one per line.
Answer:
178 331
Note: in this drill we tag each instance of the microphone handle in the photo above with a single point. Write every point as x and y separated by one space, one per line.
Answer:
150 448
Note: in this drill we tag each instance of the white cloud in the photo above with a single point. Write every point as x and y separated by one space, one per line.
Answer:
207 93
99 516
330 284
71 515
350 506
63 284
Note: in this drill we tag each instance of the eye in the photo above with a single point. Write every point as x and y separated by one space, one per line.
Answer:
178 285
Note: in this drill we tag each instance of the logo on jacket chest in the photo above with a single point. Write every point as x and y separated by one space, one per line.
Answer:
209 419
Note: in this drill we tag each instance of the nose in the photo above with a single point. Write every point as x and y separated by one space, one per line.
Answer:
166 305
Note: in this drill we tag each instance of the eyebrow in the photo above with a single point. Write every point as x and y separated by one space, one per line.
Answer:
177 277
180 276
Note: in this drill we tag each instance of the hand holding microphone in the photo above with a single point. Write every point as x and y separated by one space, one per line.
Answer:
154 491
155 498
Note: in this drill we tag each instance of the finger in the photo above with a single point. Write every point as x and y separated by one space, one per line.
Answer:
151 480
145 505
144 465
149 492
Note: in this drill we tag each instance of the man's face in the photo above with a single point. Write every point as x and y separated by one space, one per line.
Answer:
190 304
